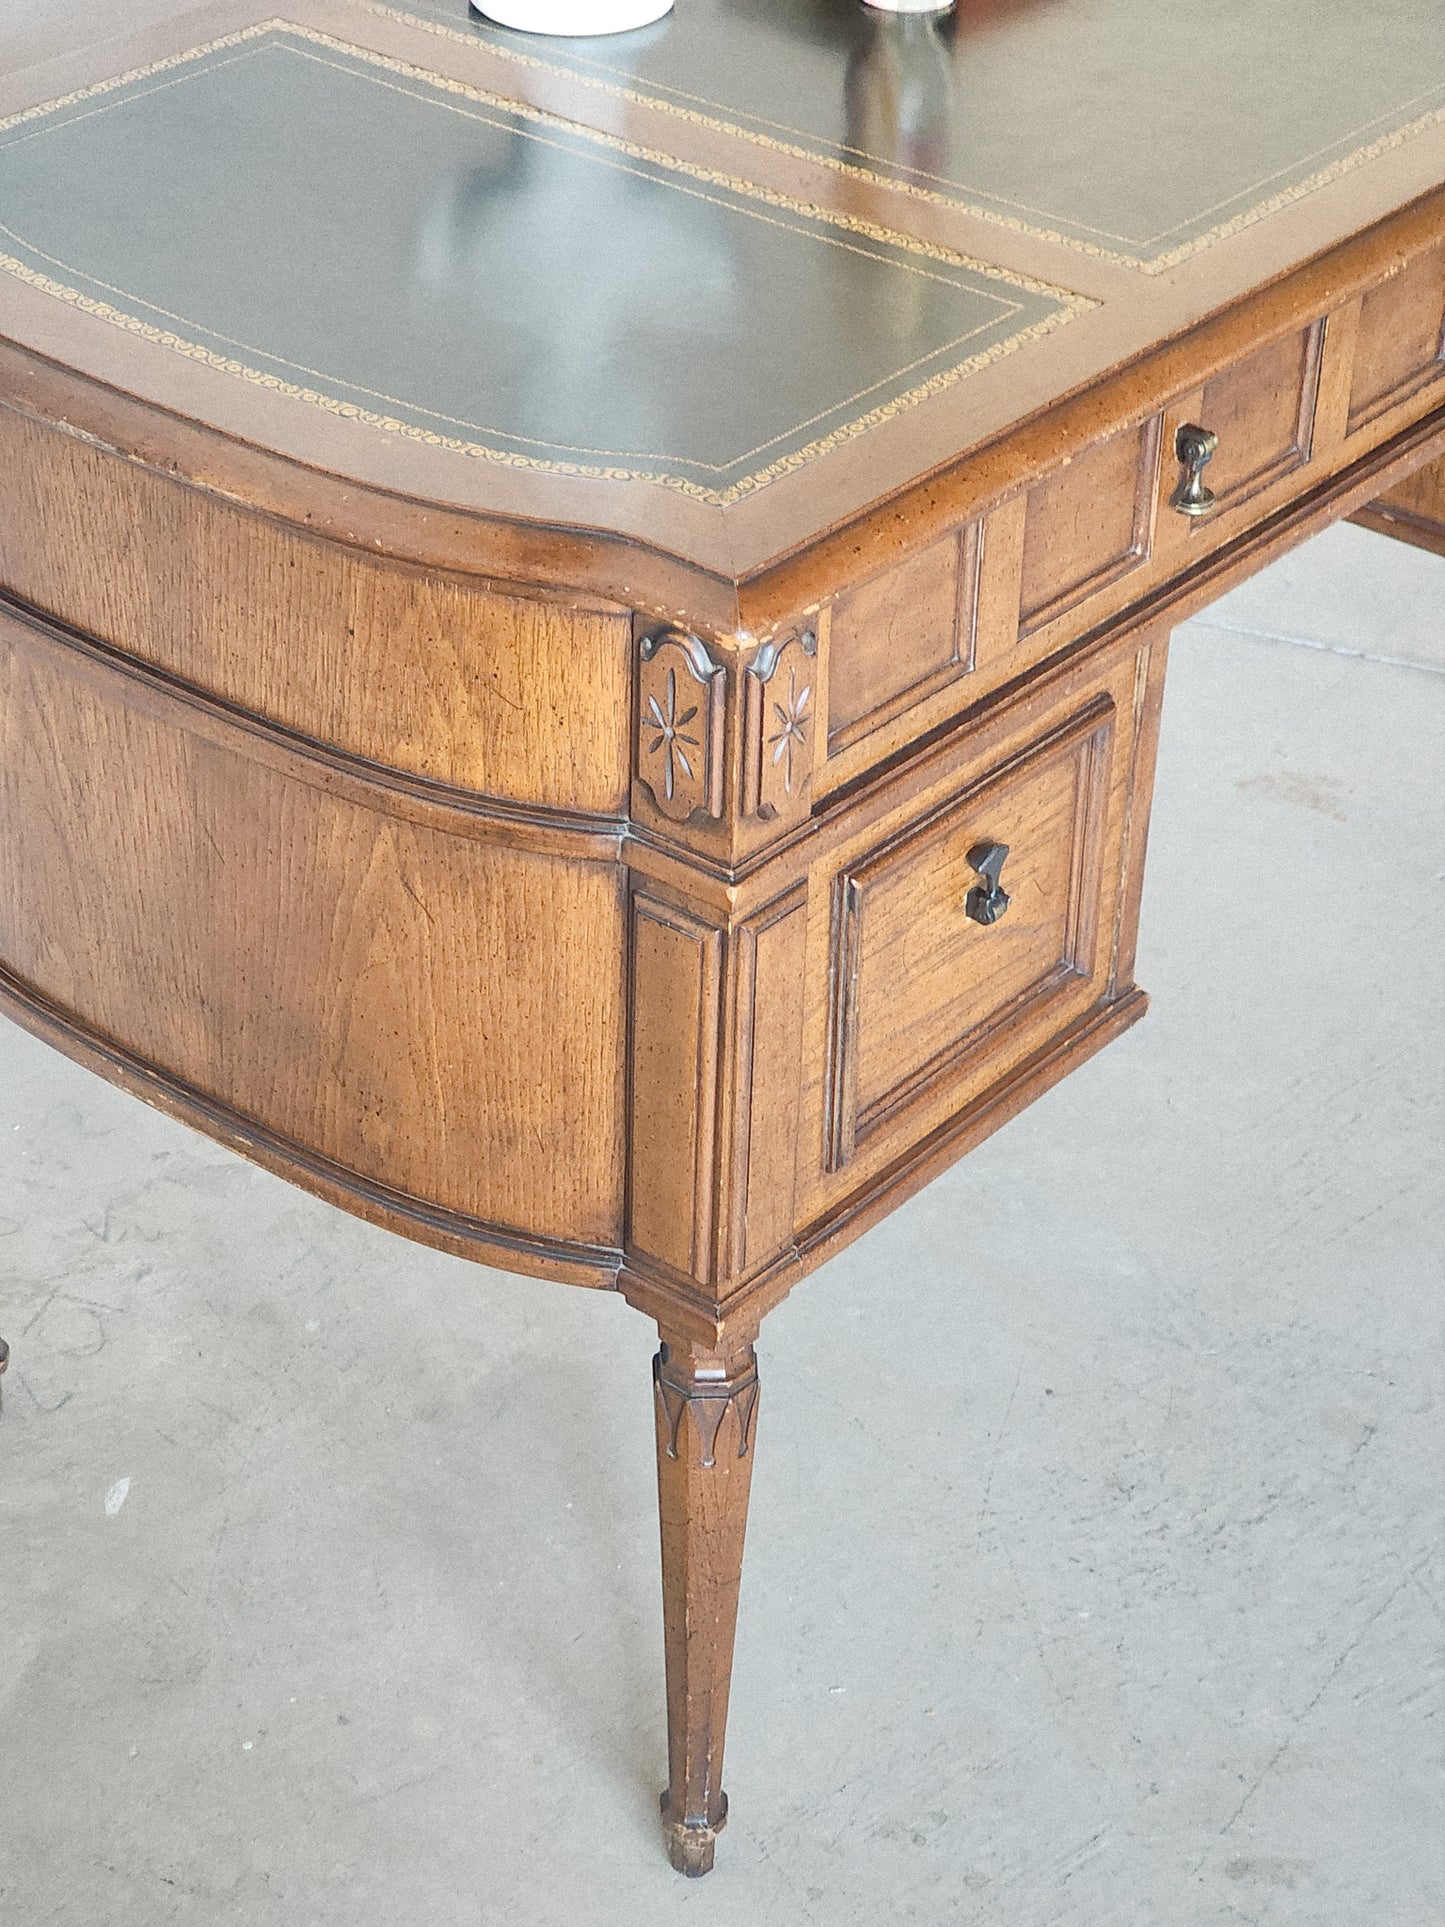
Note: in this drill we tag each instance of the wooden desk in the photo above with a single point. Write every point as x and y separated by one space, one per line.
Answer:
584 626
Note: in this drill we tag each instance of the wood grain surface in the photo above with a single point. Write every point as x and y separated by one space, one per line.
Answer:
432 1011
706 1417
508 695
576 873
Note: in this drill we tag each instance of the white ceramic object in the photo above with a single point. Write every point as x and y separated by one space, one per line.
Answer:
578 19
911 6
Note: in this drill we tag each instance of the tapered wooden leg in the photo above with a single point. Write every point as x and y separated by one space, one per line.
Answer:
706 1406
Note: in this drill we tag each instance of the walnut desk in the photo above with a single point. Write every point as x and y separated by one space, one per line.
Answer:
583 624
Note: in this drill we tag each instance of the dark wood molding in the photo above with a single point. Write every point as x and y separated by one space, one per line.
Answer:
559 1259
704 1402
394 792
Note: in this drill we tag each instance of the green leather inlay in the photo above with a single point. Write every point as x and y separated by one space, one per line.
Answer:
1138 129
407 250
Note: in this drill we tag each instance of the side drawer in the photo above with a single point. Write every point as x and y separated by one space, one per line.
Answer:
1262 410
932 966
926 990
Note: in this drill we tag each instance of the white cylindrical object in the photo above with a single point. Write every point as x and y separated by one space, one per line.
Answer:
578 19
911 6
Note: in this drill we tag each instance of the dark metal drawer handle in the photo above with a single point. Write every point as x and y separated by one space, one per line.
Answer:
1195 448
987 901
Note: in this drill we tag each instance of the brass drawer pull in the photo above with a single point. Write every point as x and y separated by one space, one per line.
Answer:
1195 448
987 901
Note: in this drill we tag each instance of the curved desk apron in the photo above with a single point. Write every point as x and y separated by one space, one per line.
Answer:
583 627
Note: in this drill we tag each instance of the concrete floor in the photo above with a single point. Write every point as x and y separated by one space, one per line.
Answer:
1098 1538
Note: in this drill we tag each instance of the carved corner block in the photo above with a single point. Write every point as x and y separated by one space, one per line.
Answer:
780 705
681 703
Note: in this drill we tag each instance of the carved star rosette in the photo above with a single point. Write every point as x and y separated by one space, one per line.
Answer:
680 717
781 703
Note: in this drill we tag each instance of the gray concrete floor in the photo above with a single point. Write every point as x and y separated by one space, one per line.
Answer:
1097 1562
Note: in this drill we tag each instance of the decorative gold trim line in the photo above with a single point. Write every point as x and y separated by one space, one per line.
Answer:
447 84
46 107
1346 164
420 408
716 124
1140 263
742 191
1068 304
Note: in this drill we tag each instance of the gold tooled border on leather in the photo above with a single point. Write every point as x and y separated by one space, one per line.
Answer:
1067 305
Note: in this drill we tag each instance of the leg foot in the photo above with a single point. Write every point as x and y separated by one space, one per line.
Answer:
706 1404
690 1847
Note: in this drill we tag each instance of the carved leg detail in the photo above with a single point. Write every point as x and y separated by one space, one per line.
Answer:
706 1407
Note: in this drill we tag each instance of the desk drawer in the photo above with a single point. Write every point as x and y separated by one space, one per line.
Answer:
999 595
1118 517
1262 412
1104 519
943 946
928 985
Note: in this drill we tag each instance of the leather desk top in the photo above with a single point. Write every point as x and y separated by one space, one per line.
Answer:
717 286
453 269
1140 133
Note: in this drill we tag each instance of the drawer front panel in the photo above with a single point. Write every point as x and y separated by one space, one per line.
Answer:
1400 348
897 639
1313 391
919 984
1088 525
916 1014
1262 409
921 989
